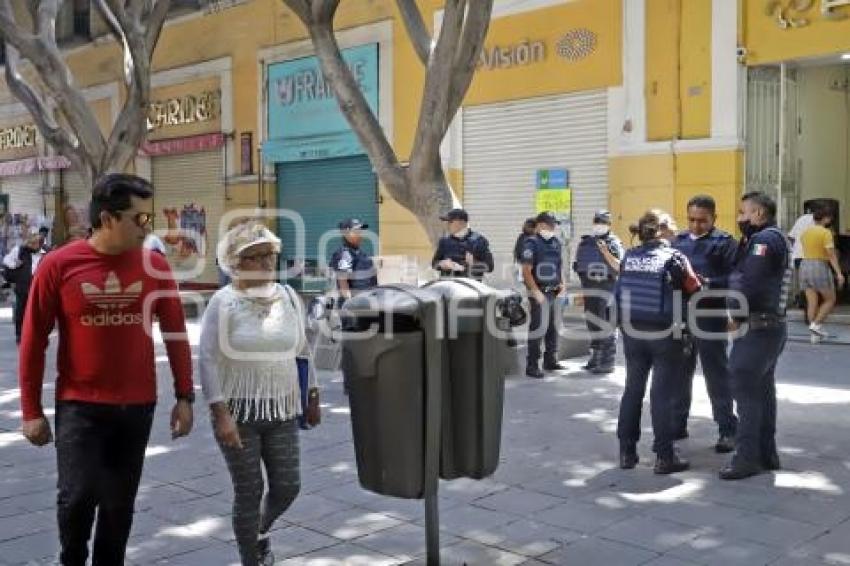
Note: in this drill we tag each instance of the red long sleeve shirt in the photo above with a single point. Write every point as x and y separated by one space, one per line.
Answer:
104 306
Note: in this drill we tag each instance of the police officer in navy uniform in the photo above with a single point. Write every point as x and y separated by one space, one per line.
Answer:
762 275
597 263
712 253
650 292
542 265
462 252
352 267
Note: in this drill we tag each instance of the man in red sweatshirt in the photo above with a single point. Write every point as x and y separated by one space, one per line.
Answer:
103 294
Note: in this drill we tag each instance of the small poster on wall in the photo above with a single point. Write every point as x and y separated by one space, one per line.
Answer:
555 195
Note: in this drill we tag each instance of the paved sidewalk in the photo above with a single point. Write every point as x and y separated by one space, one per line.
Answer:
557 497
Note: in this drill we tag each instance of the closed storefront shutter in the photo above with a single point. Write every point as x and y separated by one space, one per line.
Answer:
324 193
505 144
25 195
189 194
77 194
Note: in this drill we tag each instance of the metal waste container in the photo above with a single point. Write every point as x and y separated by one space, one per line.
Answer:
477 356
389 354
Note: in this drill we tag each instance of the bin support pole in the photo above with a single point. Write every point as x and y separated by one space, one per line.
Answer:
432 529
433 421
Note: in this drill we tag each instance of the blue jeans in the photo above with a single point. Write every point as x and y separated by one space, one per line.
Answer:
751 366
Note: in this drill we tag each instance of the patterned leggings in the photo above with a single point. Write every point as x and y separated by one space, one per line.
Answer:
275 444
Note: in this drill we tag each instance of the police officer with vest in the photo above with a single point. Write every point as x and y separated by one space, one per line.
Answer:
762 275
542 265
462 252
352 267
19 267
711 252
650 292
597 263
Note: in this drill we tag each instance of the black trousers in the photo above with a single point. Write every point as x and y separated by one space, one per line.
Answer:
20 309
100 450
600 307
664 358
543 314
751 366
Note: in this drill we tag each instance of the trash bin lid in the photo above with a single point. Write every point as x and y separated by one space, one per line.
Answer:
398 299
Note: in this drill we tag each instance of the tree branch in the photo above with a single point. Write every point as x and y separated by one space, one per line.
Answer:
324 11
46 20
416 30
472 41
154 23
301 9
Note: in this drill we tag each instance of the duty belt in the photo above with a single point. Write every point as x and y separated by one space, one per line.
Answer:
550 289
765 320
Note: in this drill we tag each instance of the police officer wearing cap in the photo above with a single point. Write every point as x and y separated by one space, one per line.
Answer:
654 279
352 267
597 263
711 252
462 252
541 271
762 274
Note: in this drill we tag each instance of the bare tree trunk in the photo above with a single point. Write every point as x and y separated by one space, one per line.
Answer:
421 187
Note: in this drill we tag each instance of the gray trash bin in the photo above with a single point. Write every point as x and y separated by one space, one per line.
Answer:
477 359
388 356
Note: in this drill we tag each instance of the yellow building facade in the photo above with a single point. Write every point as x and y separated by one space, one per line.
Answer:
641 103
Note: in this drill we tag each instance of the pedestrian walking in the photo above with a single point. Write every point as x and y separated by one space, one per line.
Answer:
462 252
597 264
654 280
352 267
712 253
20 265
251 333
819 271
762 275
103 300
542 273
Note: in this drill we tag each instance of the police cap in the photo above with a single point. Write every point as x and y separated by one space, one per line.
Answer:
547 218
602 217
352 224
455 214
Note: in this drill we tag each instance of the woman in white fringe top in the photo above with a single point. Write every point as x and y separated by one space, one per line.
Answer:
251 333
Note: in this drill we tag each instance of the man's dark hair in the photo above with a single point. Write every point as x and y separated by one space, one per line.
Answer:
762 200
820 213
112 194
705 202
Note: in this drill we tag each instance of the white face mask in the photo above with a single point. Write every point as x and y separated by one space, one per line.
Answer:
461 233
600 229
546 234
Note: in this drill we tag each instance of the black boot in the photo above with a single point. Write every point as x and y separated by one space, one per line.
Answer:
593 361
670 463
628 457
534 372
725 444
606 359
739 471
265 556
771 462
551 364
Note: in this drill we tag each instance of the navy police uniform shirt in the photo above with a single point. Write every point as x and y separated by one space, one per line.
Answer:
712 256
544 257
590 263
357 267
455 249
763 271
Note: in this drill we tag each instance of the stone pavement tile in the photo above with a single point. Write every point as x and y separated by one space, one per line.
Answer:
214 484
772 531
583 517
146 523
169 543
29 502
526 537
176 465
652 534
797 559
328 456
742 494
216 553
192 511
292 540
725 550
345 554
696 513
473 554
351 523
316 480
468 521
558 485
404 542
813 509
670 561
37 548
409 510
24 524
833 547
598 551
310 507
467 490
518 501
351 493
163 496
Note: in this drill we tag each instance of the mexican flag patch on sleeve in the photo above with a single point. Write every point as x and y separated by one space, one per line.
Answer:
759 249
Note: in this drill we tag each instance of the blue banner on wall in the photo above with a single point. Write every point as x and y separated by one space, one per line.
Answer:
304 119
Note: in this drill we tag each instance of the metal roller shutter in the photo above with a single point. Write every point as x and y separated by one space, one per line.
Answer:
505 144
190 184
323 193
77 194
25 195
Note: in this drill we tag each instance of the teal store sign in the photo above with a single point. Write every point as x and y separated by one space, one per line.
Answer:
304 120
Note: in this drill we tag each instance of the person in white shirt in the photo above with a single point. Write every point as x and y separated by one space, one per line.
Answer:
20 266
251 333
802 224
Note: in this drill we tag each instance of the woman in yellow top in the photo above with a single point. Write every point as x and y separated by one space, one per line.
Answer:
816 277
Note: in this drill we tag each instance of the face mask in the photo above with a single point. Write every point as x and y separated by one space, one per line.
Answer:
600 229
547 234
461 233
747 228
